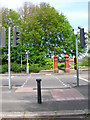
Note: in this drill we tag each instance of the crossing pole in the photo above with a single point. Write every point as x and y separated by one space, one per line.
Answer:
77 66
9 73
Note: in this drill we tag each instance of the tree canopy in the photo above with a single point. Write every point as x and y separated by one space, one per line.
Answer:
43 30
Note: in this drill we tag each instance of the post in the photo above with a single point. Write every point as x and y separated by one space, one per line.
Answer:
56 64
9 74
67 69
39 91
27 64
21 60
77 67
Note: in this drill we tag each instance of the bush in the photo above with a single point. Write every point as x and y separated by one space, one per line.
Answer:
4 68
61 65
23 68
16 67
34 68
82 67
85 61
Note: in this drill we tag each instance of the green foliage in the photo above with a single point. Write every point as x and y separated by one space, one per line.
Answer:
4 68
15 67
43 30
61 65
34 68
84 62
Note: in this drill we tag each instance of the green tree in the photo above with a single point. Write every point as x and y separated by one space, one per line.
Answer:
44 29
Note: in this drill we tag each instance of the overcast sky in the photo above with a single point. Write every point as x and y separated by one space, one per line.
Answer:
76 11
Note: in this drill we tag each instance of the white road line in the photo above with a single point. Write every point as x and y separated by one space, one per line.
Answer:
60 81
25 82
83 79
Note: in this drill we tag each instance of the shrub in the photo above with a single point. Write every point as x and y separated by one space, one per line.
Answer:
61 65
85 61
23 68
34 68
4 68
15 67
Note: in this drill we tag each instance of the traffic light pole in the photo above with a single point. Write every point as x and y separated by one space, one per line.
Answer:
9 74
77 66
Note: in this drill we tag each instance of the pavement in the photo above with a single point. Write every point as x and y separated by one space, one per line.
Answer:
57 101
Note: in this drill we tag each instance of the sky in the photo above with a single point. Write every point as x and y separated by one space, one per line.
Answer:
76 11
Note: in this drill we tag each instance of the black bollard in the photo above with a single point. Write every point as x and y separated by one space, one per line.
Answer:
39 91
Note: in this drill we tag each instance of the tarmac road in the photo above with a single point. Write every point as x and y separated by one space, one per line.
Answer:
60 94
48 80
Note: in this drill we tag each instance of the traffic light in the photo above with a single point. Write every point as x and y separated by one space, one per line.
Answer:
15 36
82 37
3 37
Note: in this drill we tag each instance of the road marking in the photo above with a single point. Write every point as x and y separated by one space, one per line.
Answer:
25 82
60 81
83 79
